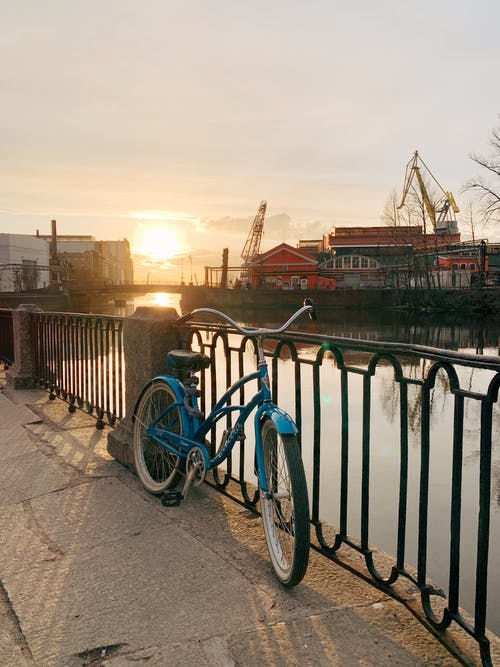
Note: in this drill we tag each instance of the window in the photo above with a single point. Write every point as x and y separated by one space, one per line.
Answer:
472 266
295 281
463 266
347 262
373 264
338 263
355 262
364 262
455 266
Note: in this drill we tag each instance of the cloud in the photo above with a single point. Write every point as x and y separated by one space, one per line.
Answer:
226 224
164 216
273 225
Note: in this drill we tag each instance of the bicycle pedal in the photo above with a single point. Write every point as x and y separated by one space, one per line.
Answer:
171 498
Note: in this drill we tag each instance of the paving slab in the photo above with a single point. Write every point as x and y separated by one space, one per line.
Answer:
23 477
13 416
17 443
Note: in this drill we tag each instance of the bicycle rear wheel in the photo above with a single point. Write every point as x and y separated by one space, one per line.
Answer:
285 509
157 468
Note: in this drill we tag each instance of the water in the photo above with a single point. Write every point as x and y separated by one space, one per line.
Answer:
153 299
470 335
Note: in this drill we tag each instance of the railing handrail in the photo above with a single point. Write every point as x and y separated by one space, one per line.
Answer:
406 349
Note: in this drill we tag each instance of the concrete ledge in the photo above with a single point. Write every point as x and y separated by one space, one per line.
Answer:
148 335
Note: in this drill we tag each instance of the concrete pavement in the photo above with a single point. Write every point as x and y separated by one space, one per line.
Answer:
94 571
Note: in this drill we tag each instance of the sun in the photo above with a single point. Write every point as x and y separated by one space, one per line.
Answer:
158 243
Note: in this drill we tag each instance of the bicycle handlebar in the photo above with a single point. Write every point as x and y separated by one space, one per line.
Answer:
308 307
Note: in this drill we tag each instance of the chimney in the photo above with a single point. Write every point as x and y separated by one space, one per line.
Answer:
53 243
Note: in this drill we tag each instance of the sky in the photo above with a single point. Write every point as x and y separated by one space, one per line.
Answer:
175 118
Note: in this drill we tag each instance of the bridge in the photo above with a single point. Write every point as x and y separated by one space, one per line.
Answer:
127 288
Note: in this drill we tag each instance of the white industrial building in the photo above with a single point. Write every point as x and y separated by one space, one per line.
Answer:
24 263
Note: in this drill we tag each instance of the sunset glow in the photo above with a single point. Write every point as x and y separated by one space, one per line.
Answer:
158 243
160 235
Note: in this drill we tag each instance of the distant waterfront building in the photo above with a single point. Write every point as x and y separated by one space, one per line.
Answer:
35 262
357 257
373 238
24 263
82 259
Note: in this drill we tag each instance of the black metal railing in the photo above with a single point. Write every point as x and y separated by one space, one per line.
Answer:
430 454
6 338
79 358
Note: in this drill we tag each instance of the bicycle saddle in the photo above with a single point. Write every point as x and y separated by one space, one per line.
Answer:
187 361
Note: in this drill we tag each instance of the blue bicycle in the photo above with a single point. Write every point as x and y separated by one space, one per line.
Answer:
170 442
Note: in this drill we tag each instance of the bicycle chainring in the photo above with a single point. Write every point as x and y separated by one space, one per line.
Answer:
195 459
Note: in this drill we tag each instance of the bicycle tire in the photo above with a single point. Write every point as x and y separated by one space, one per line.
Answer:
157 468
285 510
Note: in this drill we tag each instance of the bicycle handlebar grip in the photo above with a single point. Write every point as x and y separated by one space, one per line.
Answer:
312 313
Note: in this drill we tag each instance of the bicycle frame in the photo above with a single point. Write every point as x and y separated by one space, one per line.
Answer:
181 444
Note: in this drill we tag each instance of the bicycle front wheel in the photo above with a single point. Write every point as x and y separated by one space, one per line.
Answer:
157 468
285 508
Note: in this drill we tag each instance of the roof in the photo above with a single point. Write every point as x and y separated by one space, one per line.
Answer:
305 256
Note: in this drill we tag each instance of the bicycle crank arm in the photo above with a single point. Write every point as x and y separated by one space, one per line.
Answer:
173 497
189 478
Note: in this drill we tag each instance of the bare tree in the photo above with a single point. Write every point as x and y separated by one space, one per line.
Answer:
390 214
487 187
401 220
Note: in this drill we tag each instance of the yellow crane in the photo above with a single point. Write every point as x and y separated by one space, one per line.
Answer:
441 212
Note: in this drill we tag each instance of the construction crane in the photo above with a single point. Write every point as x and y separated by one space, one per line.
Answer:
441 213
252 246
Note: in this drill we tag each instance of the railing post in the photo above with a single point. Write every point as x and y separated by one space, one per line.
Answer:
22 374
148 335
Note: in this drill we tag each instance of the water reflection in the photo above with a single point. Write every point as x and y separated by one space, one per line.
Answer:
466 334
127 306
448 331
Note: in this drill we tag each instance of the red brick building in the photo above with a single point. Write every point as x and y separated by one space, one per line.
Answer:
285 267
395 237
